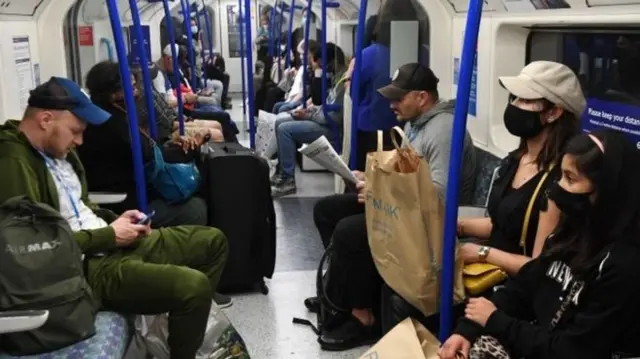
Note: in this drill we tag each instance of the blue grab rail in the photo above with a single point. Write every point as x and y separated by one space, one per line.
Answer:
144 66
186 15
272 29
207 22
250 94
242 64
337 144
469 47
202 49
355 83
279 40
305 60
292 11
125 75
176 65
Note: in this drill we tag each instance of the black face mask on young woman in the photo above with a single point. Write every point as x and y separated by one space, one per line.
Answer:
575 205
522 123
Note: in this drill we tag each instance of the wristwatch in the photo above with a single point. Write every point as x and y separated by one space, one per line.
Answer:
483 252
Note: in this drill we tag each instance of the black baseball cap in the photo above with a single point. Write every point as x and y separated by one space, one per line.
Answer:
410 77
63 94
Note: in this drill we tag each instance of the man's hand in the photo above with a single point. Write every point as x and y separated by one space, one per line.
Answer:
190 97
126 229
455 347
360 186
187 143
299 113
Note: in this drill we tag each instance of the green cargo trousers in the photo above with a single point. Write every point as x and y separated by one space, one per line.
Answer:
174 270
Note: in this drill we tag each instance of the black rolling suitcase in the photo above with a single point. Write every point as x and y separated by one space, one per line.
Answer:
238 195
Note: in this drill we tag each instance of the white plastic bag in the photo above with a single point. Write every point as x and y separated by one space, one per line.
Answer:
265 134
221 340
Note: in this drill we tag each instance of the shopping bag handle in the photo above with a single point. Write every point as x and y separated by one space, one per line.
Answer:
405 140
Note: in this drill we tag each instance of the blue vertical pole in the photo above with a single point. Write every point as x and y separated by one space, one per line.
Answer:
125 76
272 19
323 43
144 65
250 94
453 186
209 30
355 83
176 65
292 12
202 47
305 60
187 24
241 21
279 37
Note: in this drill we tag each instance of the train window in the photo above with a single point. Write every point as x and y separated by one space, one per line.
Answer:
606 63
233 30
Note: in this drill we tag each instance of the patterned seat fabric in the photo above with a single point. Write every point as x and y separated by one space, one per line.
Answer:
113 333
486 164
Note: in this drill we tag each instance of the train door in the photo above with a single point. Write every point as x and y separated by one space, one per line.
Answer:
230 41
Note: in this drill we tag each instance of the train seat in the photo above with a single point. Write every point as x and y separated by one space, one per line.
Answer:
113 335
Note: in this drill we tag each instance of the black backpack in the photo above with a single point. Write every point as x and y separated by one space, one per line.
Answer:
42 269
331 315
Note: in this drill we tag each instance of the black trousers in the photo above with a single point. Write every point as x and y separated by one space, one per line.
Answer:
273 95
355 282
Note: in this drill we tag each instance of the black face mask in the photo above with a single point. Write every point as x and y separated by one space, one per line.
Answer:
571 204
522 123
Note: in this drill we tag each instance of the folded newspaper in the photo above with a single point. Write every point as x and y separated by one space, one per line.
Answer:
321 152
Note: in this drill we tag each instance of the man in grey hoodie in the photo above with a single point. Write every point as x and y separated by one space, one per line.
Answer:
355 283
414 98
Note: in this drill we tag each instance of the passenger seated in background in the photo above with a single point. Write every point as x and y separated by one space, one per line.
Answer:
294 98
214 69
579 298
305 125
130 268
277 92
107 156
355 282
544 109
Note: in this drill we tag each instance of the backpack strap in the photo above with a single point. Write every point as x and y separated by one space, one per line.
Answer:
527 215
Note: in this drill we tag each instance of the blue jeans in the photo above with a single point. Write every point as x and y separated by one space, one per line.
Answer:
292 133
285 106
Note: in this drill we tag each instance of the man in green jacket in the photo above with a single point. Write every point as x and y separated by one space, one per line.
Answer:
131 268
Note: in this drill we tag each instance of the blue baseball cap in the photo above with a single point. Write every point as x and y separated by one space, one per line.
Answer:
63 94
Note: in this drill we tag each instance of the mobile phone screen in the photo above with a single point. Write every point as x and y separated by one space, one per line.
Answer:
147 218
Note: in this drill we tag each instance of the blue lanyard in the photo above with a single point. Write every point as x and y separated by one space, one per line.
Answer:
54 170
412 134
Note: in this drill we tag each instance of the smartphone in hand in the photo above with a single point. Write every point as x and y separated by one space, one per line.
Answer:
147 218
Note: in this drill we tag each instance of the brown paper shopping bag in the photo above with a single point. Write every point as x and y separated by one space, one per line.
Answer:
405 218
407 340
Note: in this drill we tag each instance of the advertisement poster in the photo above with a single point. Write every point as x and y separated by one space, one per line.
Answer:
612 115
24 68
473 95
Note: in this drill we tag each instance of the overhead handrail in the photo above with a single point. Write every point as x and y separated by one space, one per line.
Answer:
467 60
144 66
355 83
176 65
125 76
250 94
292 11
305 60
242 64
337 143
186 15
107 43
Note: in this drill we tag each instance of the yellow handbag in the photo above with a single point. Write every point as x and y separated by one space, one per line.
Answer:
480 277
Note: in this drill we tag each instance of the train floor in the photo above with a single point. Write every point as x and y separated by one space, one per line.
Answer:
265 321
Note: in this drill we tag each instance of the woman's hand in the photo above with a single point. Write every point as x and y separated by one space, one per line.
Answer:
470 253
187 143
360 186
479 310
455 347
